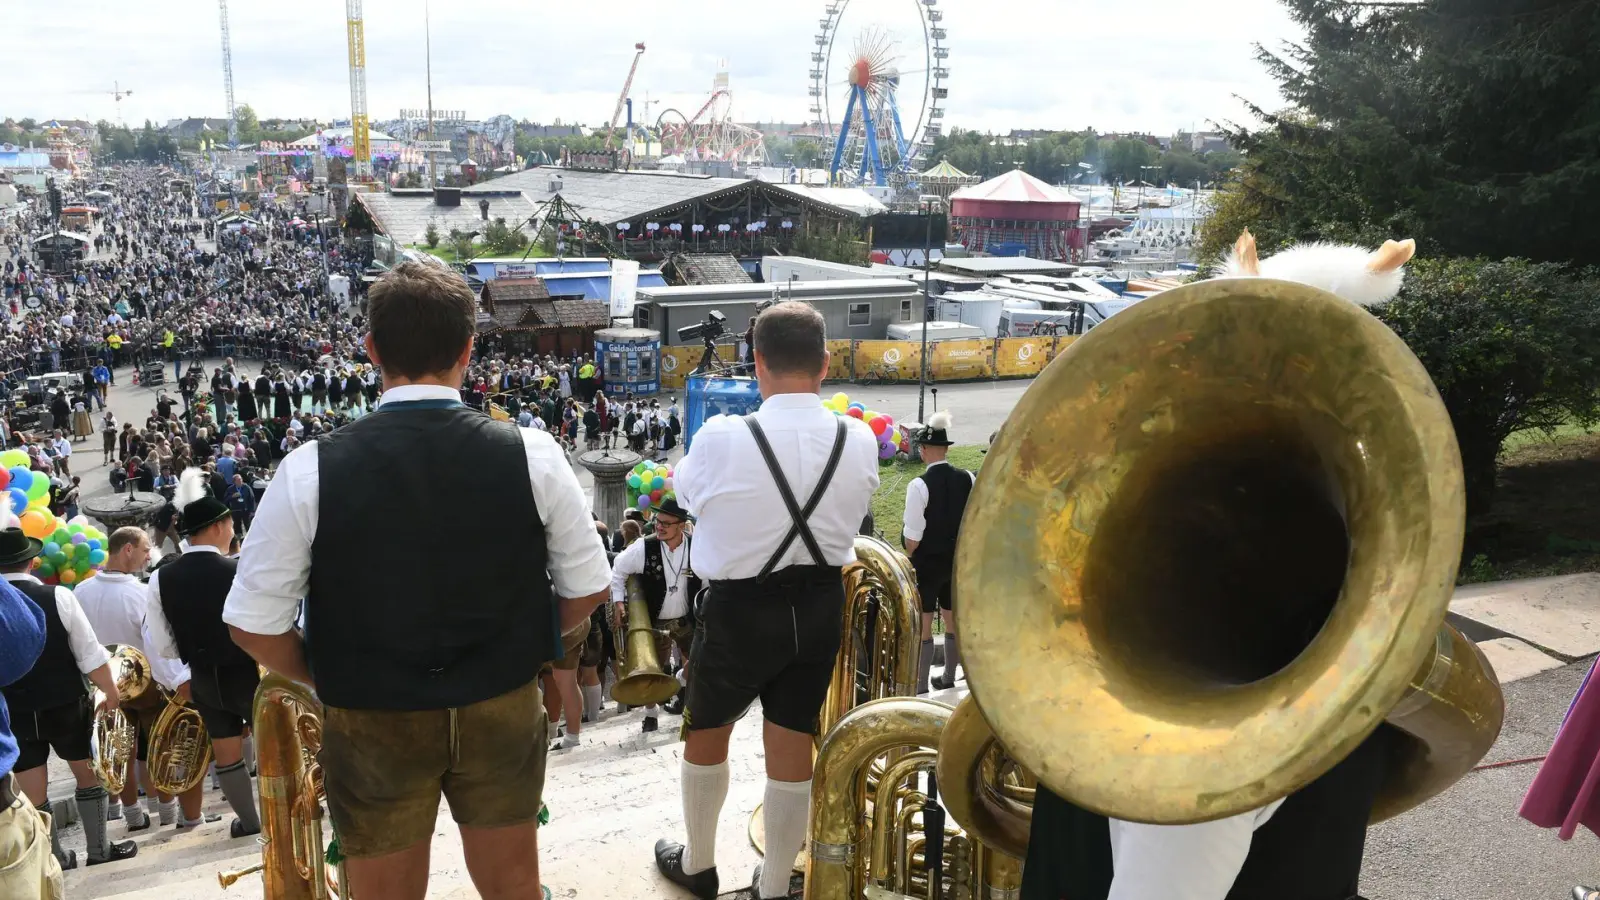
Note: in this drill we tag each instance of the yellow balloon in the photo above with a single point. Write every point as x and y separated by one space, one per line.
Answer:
37 524
841 399
39 502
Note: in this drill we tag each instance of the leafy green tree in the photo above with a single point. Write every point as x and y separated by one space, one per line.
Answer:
430 237
1510 345
460 243
249 125
501 239
1467 124
832 242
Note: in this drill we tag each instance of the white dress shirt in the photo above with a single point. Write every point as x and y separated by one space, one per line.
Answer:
674 565
115 603
275 565
915 521
87 650
741 517
158 638
1182 862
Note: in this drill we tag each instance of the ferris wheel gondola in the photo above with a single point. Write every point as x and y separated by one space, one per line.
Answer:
885 127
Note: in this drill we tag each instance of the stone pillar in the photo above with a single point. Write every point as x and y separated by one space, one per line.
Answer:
610 469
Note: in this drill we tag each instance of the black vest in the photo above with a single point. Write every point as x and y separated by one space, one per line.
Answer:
429 587
54 679
948 488
193 588
1310 849
655 578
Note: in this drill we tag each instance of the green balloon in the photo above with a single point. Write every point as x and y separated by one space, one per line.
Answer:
58 559
45 569
39 488
61 537
82 551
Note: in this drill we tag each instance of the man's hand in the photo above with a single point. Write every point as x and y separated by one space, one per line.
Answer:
108 702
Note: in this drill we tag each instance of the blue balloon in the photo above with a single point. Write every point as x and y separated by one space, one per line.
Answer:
21 478
860 406
52 548
94 544
19 500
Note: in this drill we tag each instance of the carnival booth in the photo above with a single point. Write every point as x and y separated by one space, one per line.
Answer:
629 360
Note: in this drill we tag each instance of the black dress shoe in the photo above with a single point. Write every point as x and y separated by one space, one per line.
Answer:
649 723
941 684
68 860
236 829
119 851
669 859
674 706
755 884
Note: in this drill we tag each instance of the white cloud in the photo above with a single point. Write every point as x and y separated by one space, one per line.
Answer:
1156 65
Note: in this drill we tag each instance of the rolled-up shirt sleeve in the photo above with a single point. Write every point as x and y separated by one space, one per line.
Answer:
87 650
915 520
629 562
274 571
157 631
575 554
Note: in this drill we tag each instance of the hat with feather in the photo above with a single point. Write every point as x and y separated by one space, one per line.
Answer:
937 432
197 509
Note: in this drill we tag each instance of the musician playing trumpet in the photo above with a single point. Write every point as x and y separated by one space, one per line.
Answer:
51 708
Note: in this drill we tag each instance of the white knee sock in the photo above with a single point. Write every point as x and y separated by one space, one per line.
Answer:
786 809
704 790
592 704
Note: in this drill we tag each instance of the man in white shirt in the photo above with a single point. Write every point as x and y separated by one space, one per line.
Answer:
50 708
661 561
935 503
427 674
63 454
770 622
115 602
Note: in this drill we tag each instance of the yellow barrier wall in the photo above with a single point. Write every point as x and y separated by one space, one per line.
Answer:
880 361
1020 357
677 363
962 360
842 353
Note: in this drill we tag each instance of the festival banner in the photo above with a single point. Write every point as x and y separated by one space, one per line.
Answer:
841 354
887 361
677 363
1022 357
962 360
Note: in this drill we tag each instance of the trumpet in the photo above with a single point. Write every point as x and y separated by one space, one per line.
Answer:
641 681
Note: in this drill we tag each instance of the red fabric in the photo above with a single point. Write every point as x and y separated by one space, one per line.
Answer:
1563 795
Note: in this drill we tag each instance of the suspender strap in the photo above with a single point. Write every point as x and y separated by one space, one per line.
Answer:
800 526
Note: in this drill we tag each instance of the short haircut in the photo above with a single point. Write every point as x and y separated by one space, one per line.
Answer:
422 318
122 537
791 338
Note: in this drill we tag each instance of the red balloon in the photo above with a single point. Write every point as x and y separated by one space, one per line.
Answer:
655 495
5 479
853 413
879 426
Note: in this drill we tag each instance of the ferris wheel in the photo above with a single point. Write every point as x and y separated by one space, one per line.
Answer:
878 95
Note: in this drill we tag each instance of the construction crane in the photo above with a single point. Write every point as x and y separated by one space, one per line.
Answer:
360 135
116 92
627 86
227 78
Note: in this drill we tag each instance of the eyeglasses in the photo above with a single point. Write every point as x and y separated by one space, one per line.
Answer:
668 523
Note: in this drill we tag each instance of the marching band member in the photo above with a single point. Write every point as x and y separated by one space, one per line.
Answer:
427 671
50 706
670 588
27 869
115 602
770 623
183 621
935 502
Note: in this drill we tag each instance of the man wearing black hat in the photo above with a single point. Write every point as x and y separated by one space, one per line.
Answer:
50 706
770 624
935 502
184 621
426 668
670 588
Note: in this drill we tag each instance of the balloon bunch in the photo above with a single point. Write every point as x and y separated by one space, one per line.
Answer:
649 483
25 488
890 438
73 551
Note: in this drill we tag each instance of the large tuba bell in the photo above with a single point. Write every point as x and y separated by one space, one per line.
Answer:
180 749
288 727
1210 552
115 739
641 680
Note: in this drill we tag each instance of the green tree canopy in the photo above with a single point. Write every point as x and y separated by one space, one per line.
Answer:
1470 125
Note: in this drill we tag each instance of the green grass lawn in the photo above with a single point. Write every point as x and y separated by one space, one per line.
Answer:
443 251
889 503
1533 437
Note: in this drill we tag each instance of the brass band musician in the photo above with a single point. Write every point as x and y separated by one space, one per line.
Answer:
935 502
661 561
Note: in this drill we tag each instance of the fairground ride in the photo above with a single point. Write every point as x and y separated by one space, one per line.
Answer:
879 117
711 133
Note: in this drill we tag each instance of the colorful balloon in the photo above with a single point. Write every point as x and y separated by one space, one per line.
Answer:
841 399
36 524
655 496
21 479
67 576
12 458
644 502
879 426
40 487
61 536
854 413
97 557
19 500
885 451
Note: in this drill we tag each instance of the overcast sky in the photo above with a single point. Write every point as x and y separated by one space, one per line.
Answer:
1154 65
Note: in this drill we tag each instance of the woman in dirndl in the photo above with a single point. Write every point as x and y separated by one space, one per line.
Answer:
1566 792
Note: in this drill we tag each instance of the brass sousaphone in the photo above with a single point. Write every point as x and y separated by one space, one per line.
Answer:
1209 553
641 681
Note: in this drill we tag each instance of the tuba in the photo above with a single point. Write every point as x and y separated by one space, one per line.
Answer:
288 726
115 740
1225 526
641 681
180 749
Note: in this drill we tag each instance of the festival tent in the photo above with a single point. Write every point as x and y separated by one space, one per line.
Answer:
1017 209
